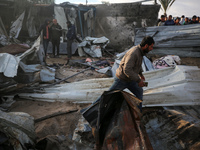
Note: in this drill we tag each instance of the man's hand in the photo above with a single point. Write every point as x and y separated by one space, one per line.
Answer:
141 83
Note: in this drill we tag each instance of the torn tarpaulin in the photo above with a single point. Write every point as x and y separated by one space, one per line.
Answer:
116 122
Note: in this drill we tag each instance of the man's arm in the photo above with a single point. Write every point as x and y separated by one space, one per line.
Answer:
129 64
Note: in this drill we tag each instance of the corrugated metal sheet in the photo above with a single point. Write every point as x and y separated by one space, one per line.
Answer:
167 87
183 41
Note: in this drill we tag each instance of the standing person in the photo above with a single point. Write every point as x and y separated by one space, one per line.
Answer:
177 21
129 74
198 20
56 32
182 20
71 35
162 21
193 21
46 35
170 21
186 21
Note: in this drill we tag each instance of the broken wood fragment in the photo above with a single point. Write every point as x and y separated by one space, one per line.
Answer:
54 115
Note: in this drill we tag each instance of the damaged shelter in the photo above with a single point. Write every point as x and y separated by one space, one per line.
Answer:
171 100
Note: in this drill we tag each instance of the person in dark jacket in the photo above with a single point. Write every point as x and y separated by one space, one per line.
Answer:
193 21
170 21
71 35
56 32
46 35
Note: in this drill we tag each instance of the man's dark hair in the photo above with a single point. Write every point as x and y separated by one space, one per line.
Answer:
162 16
147 40
194 16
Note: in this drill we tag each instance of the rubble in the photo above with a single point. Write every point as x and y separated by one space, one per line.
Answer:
18 129
24 68
93 46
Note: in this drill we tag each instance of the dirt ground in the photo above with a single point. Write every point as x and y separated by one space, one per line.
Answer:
65 124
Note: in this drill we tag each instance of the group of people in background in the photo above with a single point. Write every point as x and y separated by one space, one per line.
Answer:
52 31
168 21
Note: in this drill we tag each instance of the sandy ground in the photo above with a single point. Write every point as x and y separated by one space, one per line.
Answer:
64 124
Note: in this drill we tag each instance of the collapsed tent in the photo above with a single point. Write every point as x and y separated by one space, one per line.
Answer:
116 122
165 88
25 68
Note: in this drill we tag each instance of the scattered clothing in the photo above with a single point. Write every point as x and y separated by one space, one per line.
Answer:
167 61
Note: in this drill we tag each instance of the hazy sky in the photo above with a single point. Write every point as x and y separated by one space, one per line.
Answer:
179 8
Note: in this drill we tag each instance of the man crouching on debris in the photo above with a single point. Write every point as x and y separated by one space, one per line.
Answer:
129 74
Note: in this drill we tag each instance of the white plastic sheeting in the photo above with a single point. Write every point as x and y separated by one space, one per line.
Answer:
167 87
9 64
19 127
60 17
17 26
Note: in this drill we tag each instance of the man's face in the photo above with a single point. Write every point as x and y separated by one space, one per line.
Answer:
54 21
148 48
163 19
177 20
170 17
